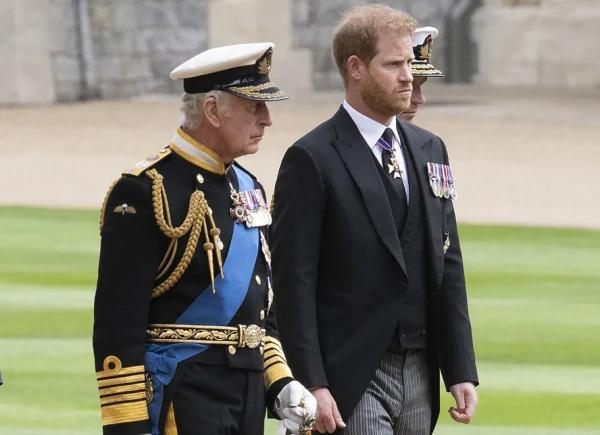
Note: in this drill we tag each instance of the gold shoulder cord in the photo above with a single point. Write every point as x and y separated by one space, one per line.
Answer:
171 251
105 202
198 210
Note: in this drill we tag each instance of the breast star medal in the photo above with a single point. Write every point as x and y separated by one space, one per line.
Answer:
394 166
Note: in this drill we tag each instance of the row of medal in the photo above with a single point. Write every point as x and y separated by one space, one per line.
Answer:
441 180
250 207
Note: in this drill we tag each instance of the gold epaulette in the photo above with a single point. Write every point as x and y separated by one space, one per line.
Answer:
148 162
275 364
123 392
135 170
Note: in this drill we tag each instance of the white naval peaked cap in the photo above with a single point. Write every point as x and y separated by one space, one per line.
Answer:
422 42
241 69
422 32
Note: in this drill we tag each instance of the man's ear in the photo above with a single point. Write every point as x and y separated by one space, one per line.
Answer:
354 66
211 111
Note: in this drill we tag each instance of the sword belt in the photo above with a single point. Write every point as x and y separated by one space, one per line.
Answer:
250 336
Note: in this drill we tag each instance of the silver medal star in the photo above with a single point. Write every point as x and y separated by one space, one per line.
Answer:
394 167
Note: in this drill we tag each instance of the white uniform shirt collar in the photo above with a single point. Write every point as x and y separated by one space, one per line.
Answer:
370 129
196 152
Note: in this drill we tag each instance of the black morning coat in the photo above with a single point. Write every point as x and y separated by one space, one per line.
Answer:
338 266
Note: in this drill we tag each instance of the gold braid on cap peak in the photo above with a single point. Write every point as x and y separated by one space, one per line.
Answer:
198 211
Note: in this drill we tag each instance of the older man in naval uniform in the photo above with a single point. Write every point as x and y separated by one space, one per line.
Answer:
185 339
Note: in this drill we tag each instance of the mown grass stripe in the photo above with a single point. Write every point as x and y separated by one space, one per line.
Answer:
31 297
477 429
539 378
534 295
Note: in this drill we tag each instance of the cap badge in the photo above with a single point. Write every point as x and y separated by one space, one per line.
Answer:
264 64
425 49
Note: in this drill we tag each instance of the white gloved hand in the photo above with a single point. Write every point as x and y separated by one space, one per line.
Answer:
296 406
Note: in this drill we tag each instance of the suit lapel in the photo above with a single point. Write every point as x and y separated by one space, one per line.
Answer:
421 151
358 159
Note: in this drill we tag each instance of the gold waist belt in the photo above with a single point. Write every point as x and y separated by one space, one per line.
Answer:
250 336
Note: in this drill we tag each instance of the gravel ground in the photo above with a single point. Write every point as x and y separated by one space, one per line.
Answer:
522 156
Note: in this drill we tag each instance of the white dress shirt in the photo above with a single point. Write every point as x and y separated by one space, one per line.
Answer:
371 131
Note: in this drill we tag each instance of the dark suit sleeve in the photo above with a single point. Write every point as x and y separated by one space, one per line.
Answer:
299 205
128 262
457 355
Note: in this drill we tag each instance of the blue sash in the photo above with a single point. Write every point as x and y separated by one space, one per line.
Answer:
208 308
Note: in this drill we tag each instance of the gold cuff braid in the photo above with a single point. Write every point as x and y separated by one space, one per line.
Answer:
275 363
122 392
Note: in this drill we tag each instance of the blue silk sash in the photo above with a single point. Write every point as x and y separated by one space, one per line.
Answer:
208 308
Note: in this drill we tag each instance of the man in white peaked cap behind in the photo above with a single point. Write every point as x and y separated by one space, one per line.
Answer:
421 68
185 338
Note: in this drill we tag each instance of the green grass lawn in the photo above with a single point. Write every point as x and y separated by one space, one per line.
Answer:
534 301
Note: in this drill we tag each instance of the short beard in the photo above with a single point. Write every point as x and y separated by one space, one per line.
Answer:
380 101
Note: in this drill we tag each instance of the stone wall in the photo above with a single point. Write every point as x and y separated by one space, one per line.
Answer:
128 47
64 49
25 76
553 43
136 43
314 21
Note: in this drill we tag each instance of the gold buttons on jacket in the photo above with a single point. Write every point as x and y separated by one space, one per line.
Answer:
231 349
258 280
262 314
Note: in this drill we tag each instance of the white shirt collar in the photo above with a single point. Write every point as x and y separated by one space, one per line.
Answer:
370 129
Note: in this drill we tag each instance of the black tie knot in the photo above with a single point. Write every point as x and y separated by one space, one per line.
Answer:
388 136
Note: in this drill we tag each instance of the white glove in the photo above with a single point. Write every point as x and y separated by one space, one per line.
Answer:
296 406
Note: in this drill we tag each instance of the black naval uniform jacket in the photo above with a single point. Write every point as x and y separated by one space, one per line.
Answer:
339 268
132 250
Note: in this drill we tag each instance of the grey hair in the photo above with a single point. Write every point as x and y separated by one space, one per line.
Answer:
191 106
